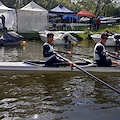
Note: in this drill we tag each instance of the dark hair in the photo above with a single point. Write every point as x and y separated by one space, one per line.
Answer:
104 34
50 34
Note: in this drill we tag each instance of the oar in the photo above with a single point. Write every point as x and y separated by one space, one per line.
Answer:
92 76
113 53
115 57
69 53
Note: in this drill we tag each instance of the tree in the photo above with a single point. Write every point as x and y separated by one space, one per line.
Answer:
97 7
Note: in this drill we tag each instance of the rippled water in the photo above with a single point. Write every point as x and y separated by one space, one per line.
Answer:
55 96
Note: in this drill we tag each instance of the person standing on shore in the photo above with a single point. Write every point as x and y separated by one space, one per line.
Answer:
94 22
3 21
98 22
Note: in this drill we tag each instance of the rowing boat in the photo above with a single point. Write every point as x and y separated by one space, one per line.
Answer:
40 66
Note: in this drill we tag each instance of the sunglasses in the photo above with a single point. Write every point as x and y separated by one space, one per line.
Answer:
105 38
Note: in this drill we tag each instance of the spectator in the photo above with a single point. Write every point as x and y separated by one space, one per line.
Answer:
3 22
90 21
54 27
98 22
94 24
64 27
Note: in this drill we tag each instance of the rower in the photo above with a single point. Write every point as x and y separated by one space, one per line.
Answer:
49 52
100 54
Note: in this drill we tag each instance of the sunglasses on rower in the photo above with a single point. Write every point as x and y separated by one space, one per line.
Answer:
105 38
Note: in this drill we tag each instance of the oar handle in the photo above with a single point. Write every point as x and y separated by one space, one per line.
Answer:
115 57
113 53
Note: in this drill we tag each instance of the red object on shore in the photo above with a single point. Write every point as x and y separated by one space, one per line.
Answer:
84 13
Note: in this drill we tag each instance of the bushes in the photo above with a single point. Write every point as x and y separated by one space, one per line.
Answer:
31 36
79 38
112 29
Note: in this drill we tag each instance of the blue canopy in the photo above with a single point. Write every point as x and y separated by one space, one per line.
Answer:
61 10
70 17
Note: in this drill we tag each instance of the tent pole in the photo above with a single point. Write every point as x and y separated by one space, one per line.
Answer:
72 20
77 22
48 21
16 19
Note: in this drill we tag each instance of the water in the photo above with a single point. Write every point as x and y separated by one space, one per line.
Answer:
55 96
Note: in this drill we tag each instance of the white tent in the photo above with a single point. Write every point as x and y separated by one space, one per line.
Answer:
32 18
9 14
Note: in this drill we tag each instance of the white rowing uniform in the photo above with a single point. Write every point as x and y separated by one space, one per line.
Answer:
50 50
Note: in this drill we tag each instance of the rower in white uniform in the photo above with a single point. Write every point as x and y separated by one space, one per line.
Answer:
49 52
100 54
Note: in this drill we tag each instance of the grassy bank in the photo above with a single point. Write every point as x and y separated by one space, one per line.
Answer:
109 28
103 28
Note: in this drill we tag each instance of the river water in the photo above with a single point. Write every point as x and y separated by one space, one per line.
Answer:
56 96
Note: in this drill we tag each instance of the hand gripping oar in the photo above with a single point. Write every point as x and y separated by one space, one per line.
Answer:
69 53
92 76
113 53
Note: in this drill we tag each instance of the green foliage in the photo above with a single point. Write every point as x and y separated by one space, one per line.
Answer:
109 28
79 38
112 29
88 35
31 36
85 35
82 35
103 28
97 7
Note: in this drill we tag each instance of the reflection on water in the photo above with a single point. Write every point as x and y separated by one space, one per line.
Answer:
32 51
8 53
58 96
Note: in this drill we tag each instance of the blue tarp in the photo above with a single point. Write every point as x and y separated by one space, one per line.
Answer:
101 16
70 17
61 10
10 38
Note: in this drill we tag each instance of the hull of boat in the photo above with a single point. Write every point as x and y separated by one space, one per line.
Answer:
23 66
12 43
10 38
110 42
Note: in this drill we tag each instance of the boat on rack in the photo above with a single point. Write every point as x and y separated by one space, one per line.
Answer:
113 40
10 38
60 37
40 66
